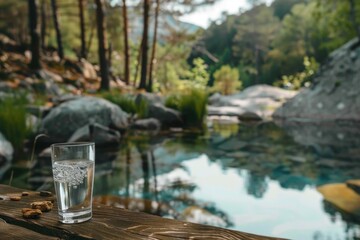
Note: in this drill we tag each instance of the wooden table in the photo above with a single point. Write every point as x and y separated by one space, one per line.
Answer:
107 223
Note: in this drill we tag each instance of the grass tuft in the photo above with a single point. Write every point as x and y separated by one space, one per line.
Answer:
13 121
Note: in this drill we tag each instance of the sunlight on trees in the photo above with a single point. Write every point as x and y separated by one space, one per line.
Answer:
227 80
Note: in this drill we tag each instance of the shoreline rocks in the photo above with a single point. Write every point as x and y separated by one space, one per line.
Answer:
254 103
335 93
63 120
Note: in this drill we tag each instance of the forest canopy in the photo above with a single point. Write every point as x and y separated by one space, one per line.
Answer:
144 44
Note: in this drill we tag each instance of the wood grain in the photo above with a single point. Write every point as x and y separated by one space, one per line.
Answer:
110 223
8 231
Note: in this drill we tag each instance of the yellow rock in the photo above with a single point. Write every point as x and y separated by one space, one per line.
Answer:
342 197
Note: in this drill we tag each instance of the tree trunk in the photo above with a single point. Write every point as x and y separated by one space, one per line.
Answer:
34 35
109 60
82 29
126 43
153 52
57 29
104 69
137 64
91 36
353 17
43 24
144 51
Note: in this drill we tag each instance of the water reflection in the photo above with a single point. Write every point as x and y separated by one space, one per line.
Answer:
256 177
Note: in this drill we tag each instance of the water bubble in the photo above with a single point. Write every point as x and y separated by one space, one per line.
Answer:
70 172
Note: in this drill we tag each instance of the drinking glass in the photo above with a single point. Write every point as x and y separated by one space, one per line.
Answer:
73 167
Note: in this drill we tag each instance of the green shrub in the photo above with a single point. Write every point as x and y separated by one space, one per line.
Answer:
173 101
127 103
227 80
300 79
192 106
13 121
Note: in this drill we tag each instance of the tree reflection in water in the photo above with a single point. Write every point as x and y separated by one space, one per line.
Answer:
143 176
171 197
256 184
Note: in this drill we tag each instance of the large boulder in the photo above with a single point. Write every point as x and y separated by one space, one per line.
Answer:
66 118
335 93
97 133
6 150
259 101
168 117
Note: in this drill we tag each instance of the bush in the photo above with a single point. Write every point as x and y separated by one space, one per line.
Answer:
173 101
13 121
192 106
300 79
127 103
227 80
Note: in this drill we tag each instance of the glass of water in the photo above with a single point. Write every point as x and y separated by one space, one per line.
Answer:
73 167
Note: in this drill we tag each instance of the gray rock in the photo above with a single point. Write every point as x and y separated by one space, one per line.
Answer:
260 100
168 117
225 111
335 93
97 133
88 69
65 119
249 116
6 150
38 111
49 76
150 124
213 99
46 87
65 98
150 98
5 87
242 114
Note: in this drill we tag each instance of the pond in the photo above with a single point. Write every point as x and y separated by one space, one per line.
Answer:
258 178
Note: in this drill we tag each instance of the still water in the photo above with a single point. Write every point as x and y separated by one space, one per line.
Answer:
257 178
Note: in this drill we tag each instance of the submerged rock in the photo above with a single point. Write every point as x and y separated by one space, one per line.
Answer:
65 119
335 93
342 197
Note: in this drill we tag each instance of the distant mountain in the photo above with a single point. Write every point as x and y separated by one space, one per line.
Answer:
167 25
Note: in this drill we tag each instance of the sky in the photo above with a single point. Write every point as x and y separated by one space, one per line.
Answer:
204 15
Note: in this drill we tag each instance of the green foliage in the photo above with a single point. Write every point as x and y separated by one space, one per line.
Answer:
13 121
340 25
199 75
227 80
127 103
300 79
268 42
283 7
192 106
17 26
173 101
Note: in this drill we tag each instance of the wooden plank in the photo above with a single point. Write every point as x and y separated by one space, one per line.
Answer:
14 232
111 223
